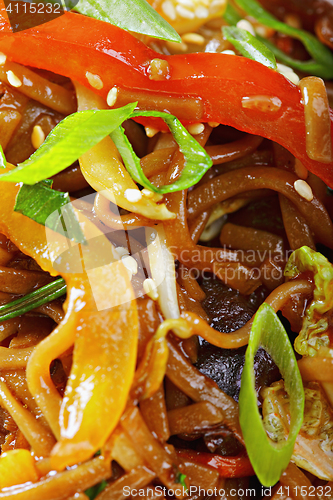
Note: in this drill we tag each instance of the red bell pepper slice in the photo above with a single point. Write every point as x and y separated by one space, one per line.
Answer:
73 44
239 466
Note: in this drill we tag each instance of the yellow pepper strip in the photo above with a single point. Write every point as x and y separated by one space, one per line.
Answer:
105 340
152 368
17 467
101 376
103 169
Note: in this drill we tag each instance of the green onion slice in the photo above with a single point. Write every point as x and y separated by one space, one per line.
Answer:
80 131
94 491
249 46
34 299
69 140
197 161
269 459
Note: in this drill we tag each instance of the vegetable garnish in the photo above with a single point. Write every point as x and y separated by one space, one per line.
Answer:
62 147
34 299
50 208
313 334
95 490
70 139
249 46
322 58
267 458
3 162
197 161
214 84
131 15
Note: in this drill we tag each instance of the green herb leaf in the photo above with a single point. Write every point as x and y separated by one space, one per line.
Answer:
249 46
69 140
34 299
196 158
313 334
3 162
50 208
267 458
95 490
131 15
322 63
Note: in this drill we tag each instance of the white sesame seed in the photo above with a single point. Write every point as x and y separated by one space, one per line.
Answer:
122 251
196 128
193 38
112 97
185 13
133 195
300 170
3 58
213 124
176 47
13 79
293 77
130 263
95 81
169 10
37 136
284 68
187 3
150 288
151 131
244 24
288 73
230 52
201 12
147 193
303 189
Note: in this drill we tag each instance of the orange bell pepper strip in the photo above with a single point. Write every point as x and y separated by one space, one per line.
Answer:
198 87
101 321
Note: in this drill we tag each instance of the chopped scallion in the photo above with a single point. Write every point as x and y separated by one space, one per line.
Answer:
269 459
34 299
